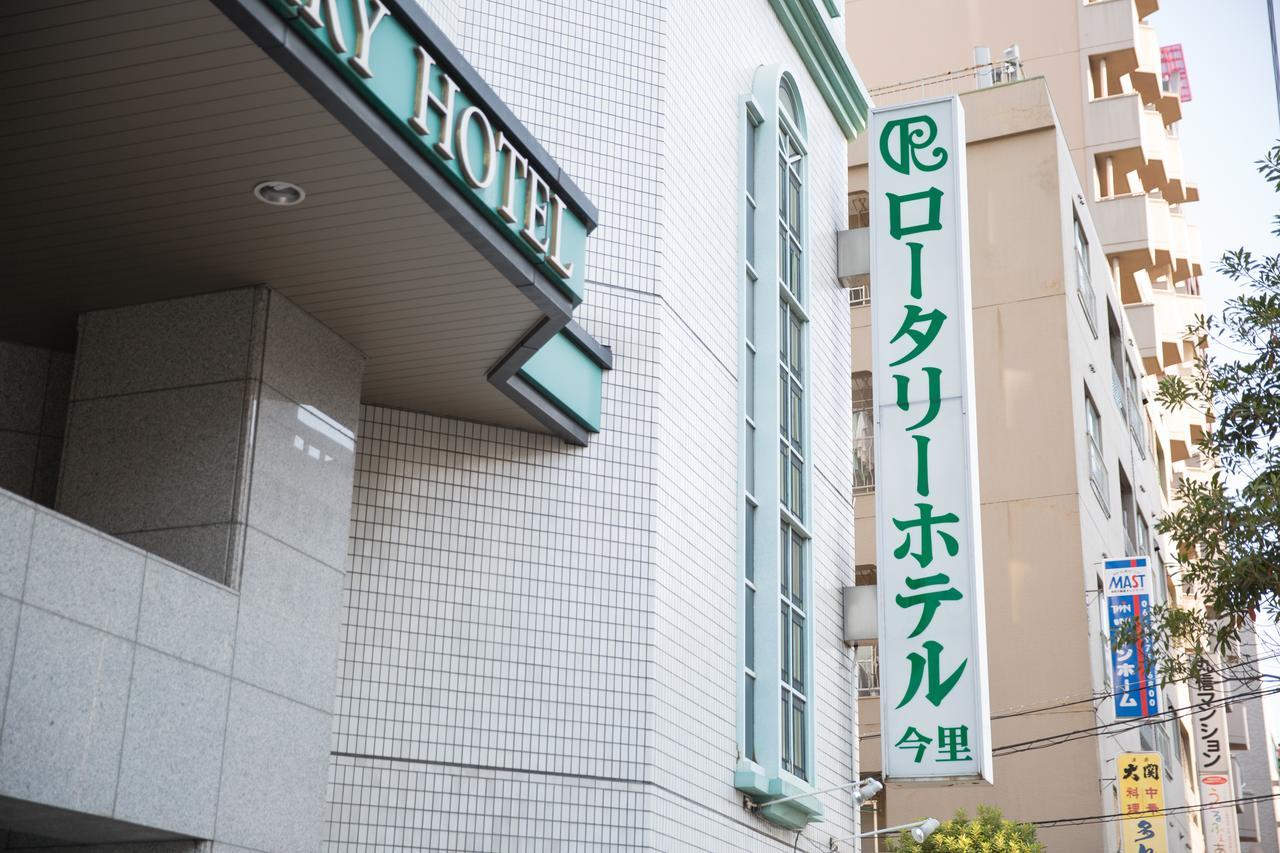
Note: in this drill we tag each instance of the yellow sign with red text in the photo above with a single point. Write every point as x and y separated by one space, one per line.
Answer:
1141 782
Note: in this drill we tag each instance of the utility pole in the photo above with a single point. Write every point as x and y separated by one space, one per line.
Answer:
1275 52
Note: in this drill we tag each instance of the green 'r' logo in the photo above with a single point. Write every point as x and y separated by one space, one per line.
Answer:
913 134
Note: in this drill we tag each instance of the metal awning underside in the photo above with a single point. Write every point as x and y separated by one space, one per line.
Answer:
132 134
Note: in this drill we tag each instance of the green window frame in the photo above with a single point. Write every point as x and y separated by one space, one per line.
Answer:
776 695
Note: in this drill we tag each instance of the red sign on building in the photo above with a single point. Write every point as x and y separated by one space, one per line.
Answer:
1173 71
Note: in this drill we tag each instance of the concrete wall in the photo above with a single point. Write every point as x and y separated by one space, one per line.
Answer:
34 386
539 649
144 700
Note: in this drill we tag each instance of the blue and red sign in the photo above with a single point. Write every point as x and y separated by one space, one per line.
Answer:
1128 601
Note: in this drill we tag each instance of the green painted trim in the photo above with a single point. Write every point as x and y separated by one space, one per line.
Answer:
751 780
832 9
827 62
569 377
391 91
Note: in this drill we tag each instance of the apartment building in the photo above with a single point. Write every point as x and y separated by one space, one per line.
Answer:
393 396
1118 117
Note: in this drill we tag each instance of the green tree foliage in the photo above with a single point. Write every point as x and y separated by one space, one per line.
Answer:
989 832
1227 527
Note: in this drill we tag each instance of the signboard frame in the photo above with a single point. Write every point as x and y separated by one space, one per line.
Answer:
932 619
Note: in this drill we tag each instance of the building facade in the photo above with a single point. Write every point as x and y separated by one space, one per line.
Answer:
391 426
1086 175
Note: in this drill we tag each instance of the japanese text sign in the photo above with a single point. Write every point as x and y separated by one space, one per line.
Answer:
934 709
1141 783
1213 766
1136 690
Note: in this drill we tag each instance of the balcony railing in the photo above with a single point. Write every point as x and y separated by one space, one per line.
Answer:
864 463
1134 415
867 666
1088 299
1117 388
1098 475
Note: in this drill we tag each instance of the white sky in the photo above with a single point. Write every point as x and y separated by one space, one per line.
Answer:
1230 122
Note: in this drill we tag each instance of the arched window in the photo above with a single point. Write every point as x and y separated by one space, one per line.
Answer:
776 723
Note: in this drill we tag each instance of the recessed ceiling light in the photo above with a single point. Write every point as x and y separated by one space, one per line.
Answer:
279 193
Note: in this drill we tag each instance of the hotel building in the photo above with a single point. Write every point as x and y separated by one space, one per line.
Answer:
418 422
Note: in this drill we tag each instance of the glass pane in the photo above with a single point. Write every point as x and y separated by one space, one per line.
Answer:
797 737
795 417
786 731
750 628
797 651
793 203
795 492
784 482
797 569
751 310
785 573
750 734
797 281
796 366
782 331
784 270
782 401
749 546
751 156
750 450
749 385
751 234
786 644
782 182
786 100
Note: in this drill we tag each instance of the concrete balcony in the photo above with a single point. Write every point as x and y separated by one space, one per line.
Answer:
1135 223
1110 26
1174 191
1135 234
1238 726
1186 247
1123 137
1194 252
1157 351
1146 79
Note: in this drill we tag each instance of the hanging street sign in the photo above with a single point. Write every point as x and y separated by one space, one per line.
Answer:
1141 782
1136 690
935 715
1213 765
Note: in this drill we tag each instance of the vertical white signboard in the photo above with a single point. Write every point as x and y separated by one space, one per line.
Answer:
935 716
1213 765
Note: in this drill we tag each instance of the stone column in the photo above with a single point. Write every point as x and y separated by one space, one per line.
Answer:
218 432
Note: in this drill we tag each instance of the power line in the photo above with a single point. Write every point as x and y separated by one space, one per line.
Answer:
1275 53
1022 710
1108 818
1120 727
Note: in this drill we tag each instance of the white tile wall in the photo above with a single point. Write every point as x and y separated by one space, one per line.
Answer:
539 643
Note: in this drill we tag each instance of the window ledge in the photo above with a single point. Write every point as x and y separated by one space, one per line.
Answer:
751 779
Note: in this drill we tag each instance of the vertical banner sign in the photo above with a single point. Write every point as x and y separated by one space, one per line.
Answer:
1142 802
1213 766
1129 597
935 717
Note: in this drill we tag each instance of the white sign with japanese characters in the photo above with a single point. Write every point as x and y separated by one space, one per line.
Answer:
1213 765
935 716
